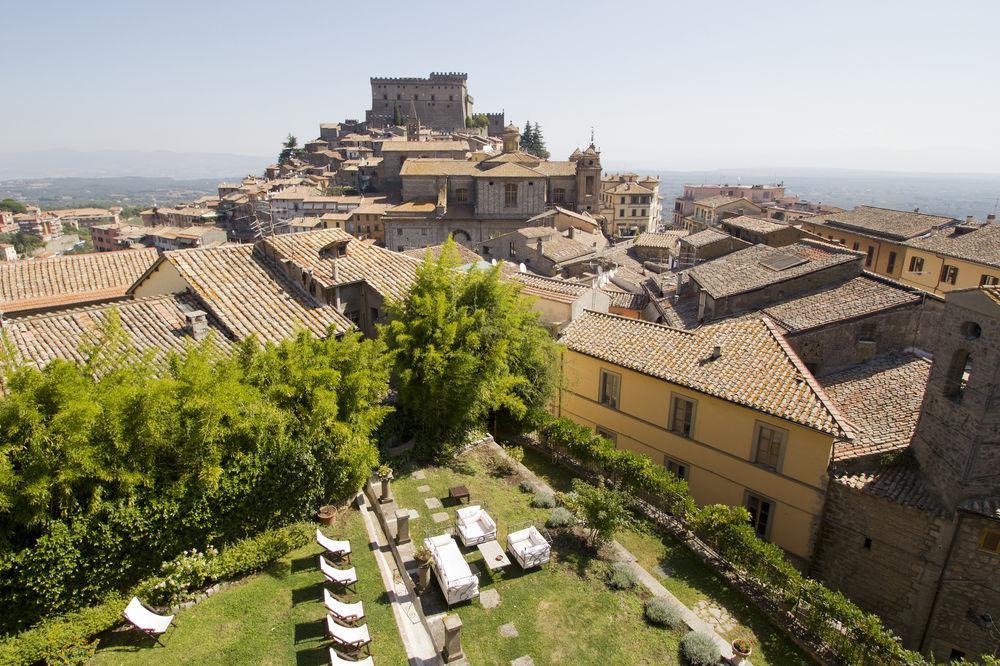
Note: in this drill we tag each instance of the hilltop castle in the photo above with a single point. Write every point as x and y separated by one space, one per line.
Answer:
441 101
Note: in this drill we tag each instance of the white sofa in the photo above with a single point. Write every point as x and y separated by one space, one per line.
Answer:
475 526
453 574
529 547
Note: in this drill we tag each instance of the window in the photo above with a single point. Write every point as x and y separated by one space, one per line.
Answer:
990 541
509 195
676 467
916 264
760 514
853 247
512 251
988 280
607 434
768 443
589 185
610 389
374 314
621 212
958 374
633 212
399 231
462 195
949 274
623 200
681 416
871 255
643 212
559 195
890 266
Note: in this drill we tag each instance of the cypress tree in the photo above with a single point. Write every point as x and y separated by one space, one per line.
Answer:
539 143
528 138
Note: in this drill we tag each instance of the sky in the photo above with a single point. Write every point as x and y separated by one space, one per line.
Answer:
881 84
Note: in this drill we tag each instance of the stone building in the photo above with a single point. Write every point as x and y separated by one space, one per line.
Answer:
917 539
758 194
474 200
630 204
442 101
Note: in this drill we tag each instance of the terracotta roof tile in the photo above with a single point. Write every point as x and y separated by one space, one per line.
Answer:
33 284
886 222
756 367
549 288
981 245
899 484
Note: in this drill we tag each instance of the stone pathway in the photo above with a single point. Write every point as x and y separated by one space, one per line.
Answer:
440 517
526 660
508 631
419 474
433 503
423 489
489 598
718 617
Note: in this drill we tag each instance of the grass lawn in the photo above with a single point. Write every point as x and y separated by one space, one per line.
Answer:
273 617
563 612
689 580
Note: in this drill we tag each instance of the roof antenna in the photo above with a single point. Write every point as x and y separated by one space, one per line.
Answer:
591 135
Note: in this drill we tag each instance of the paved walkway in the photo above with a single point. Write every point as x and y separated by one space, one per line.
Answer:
416 640
647 579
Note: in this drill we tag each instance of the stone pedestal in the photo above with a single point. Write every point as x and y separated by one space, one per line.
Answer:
385 497
425 577
452 639
402 526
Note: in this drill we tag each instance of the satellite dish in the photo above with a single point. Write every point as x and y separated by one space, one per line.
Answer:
493 262
521 267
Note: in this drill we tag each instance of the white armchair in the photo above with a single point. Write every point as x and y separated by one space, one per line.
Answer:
475 526
529 547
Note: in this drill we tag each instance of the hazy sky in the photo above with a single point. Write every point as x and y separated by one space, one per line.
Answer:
902 85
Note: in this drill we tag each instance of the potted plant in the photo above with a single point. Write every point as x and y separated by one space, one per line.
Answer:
327 514
743 647
384 474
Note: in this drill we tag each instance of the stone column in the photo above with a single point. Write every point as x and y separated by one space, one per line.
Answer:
452 638
385 491
402 526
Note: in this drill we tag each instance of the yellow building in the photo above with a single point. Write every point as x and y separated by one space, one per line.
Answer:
710 212
729 407
931 252
365 221
630 204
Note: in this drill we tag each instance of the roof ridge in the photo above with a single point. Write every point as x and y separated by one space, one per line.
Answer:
632 320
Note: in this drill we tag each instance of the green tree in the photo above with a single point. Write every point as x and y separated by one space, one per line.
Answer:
528 138
602 509
288 148
13 206
539 143
397 116
23 243
465 344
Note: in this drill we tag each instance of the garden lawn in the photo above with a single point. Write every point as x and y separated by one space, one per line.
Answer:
273 617
563 613
689 579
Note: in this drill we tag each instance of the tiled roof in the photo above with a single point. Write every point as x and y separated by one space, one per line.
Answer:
389 273
559 249
754 224
981 245
984 506
859 297
886 222
722 200
881 399
466 256
666 241
35 284
548 288
745 270
900 484
619 298
631 187
510 170
756 367
424 146
993 292
250 295
556 168
437 167
706 237
153 324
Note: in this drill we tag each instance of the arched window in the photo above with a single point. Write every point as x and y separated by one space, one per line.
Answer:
958 374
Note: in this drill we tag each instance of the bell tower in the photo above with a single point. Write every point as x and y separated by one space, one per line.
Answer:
511 139
588 179
957 440
412 124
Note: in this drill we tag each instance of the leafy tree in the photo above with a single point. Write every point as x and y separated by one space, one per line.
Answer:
602 509
288 148
397 116
23 243
465 344
539 143
477 120
13 206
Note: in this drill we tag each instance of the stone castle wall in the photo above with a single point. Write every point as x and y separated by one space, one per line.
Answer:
441 100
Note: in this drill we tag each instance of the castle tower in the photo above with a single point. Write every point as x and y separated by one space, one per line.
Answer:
588 180
957 440
413 124
511 139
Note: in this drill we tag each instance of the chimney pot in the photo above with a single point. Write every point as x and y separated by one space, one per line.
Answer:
196 324
716 352
992 217
969 219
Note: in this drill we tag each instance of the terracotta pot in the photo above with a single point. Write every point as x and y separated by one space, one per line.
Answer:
741 653
327 515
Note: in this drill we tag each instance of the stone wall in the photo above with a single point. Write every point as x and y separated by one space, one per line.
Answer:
441 101
490 198
895 573
837 346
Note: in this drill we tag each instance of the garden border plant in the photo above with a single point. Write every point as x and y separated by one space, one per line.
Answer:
828 617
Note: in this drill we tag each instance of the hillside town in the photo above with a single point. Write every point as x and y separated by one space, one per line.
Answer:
831 376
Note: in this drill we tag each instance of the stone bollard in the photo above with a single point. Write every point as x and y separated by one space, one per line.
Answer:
452 638
402 526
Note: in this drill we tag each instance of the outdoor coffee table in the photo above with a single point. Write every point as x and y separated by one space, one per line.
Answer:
459 493
493 555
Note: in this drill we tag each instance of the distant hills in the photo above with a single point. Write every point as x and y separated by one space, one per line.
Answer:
62 163
124 191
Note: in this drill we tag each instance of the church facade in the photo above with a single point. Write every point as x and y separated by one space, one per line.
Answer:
474 200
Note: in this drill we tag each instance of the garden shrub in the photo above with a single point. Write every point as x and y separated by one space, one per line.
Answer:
662 613
560 517
699 649
527 487
543 500
621 577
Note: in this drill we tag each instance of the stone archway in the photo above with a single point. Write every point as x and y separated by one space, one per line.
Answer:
461 236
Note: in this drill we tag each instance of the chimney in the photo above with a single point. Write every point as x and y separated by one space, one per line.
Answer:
572 232
992 217
538 246
196 324
716 352
916 210
969 219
